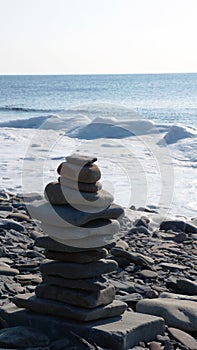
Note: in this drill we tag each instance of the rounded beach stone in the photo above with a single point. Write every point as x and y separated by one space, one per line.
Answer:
80 186
76 297
67 216
87 174
102 227
77 270
81 257
50 244
57 194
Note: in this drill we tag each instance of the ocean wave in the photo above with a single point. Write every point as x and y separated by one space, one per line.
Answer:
92 110
31 110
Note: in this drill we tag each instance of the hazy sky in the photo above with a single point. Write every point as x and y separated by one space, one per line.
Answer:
97 36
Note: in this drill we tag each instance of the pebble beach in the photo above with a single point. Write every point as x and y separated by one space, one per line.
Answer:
156 274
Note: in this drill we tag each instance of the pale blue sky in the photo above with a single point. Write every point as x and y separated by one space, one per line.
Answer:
97 36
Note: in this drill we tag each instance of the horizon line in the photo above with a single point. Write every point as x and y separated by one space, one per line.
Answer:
87 74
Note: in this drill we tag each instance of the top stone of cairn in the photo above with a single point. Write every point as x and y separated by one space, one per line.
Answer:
81 159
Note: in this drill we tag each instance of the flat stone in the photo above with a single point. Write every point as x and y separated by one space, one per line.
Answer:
87 174
117 333
8 224
183 338
22 337
178 296
173 267
148 274
97 233
57 194
30 278
80 186
190 287
77 270
67 311
80 159
130 299
51 244
123 286
133 257
80 257
19 216
4 214
67 216
177 313
76 297
8 271
89 284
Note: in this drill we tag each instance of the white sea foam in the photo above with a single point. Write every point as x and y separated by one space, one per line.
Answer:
135 168
178 132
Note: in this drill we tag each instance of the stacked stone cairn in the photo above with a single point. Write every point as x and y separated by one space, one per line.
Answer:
80 221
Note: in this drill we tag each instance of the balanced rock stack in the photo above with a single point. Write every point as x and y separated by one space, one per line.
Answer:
80 220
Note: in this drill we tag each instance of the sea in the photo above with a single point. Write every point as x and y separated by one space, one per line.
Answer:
168 98
142 128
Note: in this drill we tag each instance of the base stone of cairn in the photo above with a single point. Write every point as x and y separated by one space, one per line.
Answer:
80 220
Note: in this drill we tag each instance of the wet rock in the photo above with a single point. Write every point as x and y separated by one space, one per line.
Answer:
178 225
140 229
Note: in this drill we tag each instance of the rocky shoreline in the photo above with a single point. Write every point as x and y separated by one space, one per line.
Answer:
156 275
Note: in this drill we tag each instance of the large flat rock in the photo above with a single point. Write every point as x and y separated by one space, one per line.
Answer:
177 313
55 308
67 216
119 333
